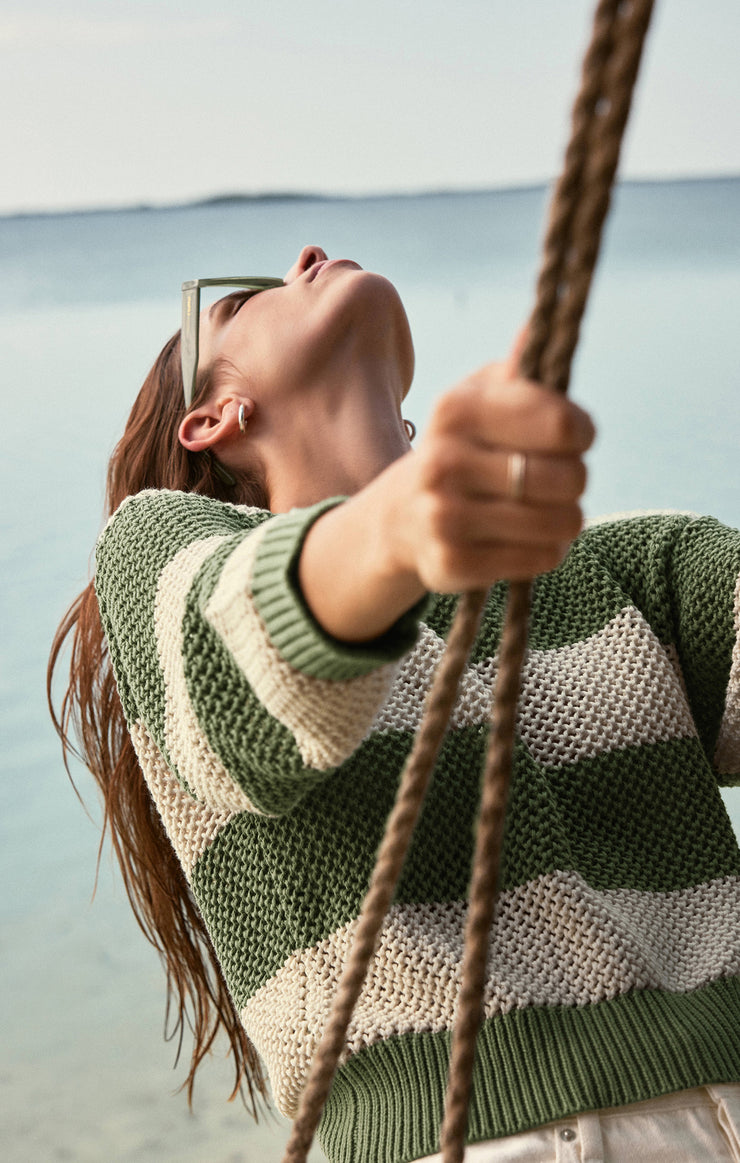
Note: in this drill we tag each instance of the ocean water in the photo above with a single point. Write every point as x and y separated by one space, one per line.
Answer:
86 301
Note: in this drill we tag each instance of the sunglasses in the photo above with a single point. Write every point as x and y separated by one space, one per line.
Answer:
191 321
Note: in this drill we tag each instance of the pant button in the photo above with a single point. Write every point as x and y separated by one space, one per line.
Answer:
567 1134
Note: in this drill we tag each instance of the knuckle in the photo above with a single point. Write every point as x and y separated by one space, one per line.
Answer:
443 567
443 466
579 477
439 515
447 411
556 554
560 424
572 522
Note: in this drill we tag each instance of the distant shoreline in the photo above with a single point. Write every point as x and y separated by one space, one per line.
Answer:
216 201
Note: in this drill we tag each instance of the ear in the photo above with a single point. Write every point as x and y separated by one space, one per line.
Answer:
212 422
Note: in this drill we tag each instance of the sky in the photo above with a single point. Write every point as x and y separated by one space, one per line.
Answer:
109 103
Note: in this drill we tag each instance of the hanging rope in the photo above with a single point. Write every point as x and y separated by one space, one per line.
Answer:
579 207
391 854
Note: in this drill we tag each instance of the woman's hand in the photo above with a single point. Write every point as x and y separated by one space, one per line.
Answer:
492 492
495 485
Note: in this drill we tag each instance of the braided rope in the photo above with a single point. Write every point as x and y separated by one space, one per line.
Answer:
579 206
607 125
547 358
568 187
486 864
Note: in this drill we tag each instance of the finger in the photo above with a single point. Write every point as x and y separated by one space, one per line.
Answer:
479 521
478 471
516 414
514 357
458 568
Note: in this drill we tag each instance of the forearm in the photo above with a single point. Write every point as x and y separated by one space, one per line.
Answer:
352 576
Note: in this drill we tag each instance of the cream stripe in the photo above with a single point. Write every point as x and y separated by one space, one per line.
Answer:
727 754
328 720
191 826
197 764
616 689
404 706
556 941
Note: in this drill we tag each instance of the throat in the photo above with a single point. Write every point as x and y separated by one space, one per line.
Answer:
333 460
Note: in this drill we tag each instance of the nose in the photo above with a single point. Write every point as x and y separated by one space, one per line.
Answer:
308 257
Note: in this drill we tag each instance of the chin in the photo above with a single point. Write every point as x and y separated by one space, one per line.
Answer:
384 317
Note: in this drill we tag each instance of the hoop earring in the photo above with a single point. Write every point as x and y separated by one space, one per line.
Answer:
242 415
410 428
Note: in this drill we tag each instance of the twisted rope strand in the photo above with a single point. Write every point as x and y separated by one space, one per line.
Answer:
580 251
399 829
487 861
607 130
568 186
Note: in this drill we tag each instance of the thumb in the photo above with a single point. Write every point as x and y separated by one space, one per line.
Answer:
513 359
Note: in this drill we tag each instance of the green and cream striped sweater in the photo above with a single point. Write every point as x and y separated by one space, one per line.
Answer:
273 753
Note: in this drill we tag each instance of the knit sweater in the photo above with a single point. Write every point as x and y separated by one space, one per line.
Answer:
273 753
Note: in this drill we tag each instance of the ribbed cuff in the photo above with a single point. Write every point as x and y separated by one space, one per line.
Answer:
292 628
533 1066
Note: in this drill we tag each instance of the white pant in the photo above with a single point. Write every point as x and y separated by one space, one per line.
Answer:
691 1126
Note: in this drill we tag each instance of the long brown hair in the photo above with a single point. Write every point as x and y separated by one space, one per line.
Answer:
91 725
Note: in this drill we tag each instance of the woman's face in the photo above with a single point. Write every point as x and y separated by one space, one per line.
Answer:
327 317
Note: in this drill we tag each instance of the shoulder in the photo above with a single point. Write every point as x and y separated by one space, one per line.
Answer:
151 528
166 520
167 507
653 535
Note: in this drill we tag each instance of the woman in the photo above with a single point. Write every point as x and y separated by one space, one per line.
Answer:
271 659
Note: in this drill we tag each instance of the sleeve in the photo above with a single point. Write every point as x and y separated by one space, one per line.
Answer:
683 572
218 659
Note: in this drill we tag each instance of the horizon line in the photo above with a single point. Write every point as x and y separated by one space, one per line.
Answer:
244 198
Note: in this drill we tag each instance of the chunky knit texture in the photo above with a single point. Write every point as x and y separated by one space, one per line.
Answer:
273 753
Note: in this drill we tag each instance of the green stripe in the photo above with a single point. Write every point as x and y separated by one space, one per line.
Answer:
574 602
534 1066
245 907
126 598
704 576
637 553
163 522
298 862
559 819
649 817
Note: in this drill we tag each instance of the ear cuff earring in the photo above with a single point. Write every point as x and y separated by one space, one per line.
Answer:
242 415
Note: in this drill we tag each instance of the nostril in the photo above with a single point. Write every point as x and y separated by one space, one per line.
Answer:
310 256
307 258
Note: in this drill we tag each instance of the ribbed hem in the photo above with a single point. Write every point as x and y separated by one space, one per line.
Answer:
534 1066
293 630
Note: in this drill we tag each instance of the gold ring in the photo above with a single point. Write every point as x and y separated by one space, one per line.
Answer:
517 470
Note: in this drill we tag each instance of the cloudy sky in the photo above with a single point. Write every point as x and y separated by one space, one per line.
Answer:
110 102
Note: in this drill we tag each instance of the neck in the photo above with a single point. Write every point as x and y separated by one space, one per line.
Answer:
336 444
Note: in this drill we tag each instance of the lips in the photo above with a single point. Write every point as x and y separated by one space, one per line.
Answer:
319 267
